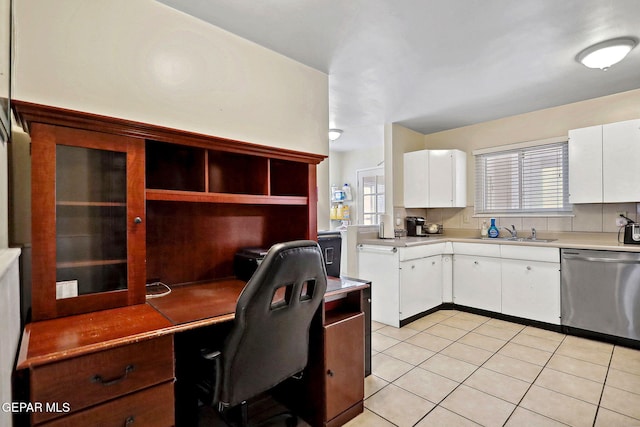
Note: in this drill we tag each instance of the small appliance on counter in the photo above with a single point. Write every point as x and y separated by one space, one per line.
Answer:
631 232
433 228
415 226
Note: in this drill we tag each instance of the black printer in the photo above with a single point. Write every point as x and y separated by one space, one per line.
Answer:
246 261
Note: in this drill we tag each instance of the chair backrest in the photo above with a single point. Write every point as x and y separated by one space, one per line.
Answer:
269 341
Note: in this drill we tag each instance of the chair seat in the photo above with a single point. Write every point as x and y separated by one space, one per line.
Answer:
269 340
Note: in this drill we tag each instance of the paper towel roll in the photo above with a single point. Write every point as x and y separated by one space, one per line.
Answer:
386 227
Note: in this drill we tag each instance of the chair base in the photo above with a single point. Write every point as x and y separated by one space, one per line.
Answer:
238 416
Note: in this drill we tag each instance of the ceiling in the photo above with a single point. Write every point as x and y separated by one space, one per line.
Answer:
432 65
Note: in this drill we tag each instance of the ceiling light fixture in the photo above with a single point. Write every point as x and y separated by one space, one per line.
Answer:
334 134
604 54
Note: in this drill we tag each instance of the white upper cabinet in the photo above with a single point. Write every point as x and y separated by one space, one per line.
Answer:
416 179
585 165
603 163
620 155
435 179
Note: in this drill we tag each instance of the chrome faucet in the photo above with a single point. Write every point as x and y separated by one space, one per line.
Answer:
533 233
512 230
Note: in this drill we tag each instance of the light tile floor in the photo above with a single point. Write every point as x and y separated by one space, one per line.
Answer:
453 368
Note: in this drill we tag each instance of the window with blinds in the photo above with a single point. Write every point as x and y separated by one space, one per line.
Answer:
529 180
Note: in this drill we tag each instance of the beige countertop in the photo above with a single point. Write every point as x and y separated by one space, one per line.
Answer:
574 240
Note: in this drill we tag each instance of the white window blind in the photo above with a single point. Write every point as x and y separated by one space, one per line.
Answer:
533 179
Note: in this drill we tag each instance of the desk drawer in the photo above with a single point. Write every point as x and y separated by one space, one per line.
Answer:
87 380
151 407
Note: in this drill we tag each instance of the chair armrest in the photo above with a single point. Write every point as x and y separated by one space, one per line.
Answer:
209 386
210 354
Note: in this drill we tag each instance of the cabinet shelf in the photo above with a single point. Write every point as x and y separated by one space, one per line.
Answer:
99 204
91 263
246 199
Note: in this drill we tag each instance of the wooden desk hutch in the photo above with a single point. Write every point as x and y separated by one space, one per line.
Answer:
117 204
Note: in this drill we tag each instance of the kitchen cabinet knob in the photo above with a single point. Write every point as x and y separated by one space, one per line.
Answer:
528 267
137 220
433 263
129 421
413 266
476 262
329 372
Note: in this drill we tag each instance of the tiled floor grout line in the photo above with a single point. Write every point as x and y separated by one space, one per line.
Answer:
460 383
517 333
604 384
435 373
482 365
531 385
468 376
545 366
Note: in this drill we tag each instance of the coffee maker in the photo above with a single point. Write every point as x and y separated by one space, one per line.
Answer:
415 226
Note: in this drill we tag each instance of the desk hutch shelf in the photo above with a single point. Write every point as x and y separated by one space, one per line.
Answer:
121 203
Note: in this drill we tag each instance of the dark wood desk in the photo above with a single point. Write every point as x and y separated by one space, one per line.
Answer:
83 339
200 304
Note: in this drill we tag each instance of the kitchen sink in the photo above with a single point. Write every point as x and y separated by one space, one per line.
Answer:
518 239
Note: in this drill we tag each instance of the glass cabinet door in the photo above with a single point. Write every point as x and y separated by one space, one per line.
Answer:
91 221
88 230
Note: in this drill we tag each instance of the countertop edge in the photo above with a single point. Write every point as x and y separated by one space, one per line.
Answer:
561 242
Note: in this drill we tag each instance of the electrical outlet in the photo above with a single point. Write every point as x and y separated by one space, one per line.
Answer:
621 222
66 289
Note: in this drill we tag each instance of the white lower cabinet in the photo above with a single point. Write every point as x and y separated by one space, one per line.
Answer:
447 277
420 285
380 265
401 287
477 282
531 290
517 280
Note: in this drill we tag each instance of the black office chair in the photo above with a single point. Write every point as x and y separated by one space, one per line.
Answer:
269 340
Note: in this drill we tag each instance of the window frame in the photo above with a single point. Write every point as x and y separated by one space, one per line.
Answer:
523 182
364 173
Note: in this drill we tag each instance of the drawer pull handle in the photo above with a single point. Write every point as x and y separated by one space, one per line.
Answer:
98 379
129 421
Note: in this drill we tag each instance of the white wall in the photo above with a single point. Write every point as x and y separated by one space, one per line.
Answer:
144 61
10 321
344 166
4 196
324 205
402 141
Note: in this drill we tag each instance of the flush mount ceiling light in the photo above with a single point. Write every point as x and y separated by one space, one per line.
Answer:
334 134
603 55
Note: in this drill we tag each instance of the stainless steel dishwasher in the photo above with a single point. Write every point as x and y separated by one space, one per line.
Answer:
601 291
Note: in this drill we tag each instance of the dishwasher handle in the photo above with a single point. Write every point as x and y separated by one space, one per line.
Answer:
600 259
